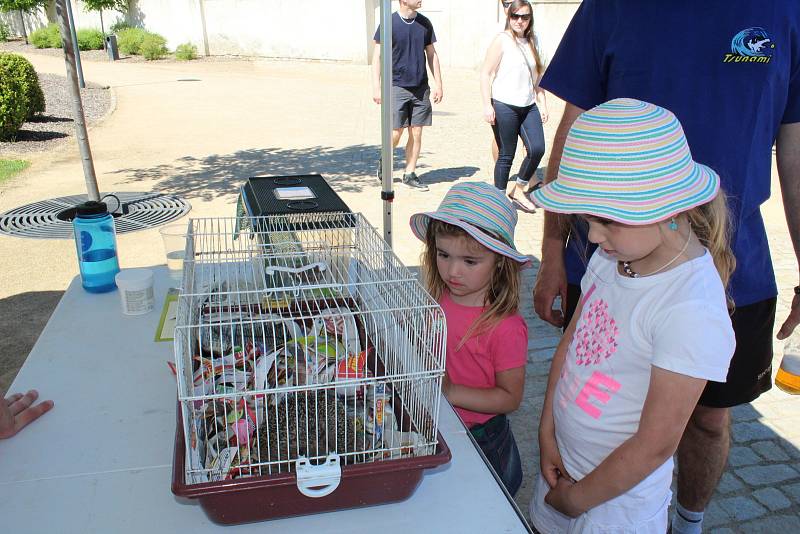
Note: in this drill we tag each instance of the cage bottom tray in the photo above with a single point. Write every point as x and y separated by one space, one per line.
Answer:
260 498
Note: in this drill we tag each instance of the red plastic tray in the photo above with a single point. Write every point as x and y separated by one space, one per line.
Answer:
260 498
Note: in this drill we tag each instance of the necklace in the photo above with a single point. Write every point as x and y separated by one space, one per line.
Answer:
405 21
626 265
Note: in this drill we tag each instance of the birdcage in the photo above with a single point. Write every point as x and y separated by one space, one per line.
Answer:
309 363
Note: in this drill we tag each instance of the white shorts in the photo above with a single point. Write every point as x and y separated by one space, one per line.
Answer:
620 515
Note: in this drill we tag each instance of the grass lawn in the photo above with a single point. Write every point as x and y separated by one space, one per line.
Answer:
10 167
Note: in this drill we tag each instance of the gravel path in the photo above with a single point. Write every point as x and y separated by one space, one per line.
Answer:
55 125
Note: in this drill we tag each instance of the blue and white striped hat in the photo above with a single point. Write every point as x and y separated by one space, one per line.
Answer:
628 161
481 210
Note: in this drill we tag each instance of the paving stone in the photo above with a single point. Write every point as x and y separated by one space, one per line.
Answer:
715 515
762 475
744 412
772 498
742 508
728 484
741 456
750 431
725 530
770 450
791 447
773 524
793 490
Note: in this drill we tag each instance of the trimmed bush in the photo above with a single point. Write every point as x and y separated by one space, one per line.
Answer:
20 68
130 39
13 104
47 37
90 39
186 52
153 47
4 33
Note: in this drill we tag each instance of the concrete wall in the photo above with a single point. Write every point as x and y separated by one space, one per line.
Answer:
313 29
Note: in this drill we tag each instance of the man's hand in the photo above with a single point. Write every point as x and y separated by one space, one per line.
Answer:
437 94
551 282
560 498
17 412
376 96
792 321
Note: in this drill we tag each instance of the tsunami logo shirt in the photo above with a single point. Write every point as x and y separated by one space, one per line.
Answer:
751 45
676 320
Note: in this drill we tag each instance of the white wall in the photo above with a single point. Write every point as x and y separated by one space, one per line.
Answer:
314 29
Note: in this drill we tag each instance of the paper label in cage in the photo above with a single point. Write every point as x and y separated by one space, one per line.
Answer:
293 193
221 463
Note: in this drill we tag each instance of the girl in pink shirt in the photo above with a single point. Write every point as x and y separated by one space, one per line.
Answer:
473 270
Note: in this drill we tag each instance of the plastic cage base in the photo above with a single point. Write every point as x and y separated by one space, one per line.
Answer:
261 498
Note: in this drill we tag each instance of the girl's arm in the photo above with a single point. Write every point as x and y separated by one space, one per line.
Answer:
488 70
505 397
670 401
541 102
549 458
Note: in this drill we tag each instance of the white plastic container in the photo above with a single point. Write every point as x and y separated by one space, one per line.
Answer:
136 291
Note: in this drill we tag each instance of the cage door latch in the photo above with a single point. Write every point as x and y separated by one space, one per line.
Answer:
318 480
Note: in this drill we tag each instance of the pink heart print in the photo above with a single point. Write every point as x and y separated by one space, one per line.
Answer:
596 337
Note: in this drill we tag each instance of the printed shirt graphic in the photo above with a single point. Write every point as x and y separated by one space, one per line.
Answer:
675 320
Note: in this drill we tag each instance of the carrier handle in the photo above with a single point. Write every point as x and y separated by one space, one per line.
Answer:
318 480
272 269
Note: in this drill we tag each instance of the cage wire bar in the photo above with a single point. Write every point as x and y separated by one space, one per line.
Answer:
302 336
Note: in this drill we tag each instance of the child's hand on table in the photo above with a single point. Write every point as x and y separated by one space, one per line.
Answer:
17 412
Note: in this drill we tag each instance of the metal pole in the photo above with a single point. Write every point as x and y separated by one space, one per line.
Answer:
75 45
77 105
387 194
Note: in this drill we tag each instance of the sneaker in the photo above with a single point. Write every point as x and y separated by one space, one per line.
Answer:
411 180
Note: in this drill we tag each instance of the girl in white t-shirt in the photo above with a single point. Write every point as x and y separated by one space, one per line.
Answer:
510 89
651 328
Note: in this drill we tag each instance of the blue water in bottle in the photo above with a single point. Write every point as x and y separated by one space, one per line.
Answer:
96 244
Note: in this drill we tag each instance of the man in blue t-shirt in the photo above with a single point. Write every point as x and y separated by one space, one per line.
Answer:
413 41
730 71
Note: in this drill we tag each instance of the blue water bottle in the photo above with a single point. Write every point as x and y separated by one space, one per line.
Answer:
96 243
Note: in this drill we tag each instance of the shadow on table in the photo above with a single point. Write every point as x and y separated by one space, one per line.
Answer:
347 169
22 319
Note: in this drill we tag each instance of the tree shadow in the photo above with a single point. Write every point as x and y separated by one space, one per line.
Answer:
447 175
347 169
17 337
43 119
36 135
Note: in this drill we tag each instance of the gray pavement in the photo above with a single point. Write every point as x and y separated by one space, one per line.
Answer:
200 139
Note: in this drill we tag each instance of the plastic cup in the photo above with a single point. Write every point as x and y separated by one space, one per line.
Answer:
788 377
174 238
135 291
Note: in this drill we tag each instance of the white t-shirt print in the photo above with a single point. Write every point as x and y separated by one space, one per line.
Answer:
676 320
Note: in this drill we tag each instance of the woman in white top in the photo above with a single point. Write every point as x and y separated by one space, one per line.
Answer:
510 88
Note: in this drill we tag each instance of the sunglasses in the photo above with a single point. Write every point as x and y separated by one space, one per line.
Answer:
516 16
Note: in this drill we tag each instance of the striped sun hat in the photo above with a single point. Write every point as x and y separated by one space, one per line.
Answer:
481 210
628 161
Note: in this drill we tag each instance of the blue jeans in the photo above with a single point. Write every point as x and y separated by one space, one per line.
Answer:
511 122
497 442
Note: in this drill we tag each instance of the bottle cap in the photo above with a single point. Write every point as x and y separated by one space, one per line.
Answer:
91 207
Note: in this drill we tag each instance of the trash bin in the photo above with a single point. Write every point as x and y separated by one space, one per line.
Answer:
111 47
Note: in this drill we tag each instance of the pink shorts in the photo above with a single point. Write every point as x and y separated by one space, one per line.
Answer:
621 515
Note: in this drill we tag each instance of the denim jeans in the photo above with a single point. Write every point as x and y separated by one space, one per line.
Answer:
499 446
511 122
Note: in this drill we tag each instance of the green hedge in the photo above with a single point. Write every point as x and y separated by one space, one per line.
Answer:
47 37
186 52
153 47
4 33
22 71
129 40
90 39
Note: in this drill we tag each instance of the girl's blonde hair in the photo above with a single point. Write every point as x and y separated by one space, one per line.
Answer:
502 298
711 224
528 34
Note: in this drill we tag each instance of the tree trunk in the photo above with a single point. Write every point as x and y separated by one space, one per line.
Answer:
22 19
102 29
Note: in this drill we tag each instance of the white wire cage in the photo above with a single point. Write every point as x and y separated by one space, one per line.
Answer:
302 340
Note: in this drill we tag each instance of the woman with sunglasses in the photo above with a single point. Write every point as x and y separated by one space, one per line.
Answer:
510 90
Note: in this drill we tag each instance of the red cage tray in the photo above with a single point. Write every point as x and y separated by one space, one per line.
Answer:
260 498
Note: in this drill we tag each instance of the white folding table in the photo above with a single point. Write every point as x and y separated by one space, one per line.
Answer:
101 460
